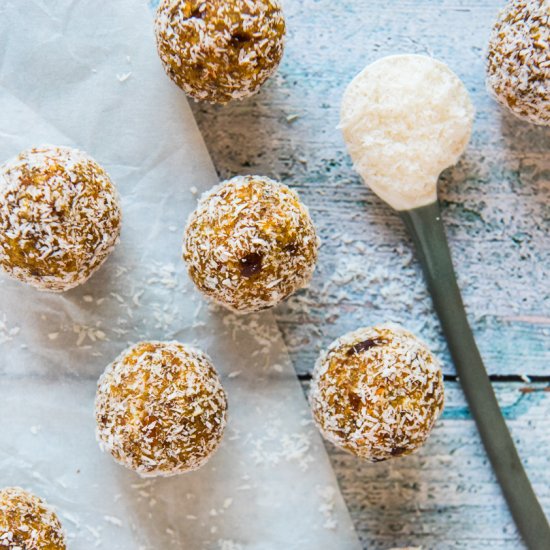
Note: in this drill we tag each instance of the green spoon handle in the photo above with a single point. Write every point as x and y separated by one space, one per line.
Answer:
426 229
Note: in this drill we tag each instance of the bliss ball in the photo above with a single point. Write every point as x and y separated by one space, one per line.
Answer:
518 69
250 243
27 523
377 392
160 409
59 217
219 50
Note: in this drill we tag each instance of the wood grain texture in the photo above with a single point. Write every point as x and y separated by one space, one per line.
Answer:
496 210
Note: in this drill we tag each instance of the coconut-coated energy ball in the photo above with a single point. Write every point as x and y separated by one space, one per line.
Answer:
377 392
250 243
518 69
59 217
27 523
160 409
219 50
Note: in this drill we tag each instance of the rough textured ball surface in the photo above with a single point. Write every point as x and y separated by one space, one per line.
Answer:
59 217
27 523
160 409
250 243
518 70
219 50
377 392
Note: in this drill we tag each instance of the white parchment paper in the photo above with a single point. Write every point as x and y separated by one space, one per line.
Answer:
85 73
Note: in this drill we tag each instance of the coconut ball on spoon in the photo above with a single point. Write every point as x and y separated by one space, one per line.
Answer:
405 119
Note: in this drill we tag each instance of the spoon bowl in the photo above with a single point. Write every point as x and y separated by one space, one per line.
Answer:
405 119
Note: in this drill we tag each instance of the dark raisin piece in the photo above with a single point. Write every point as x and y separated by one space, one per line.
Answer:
364 346
239 38
398 451
196 13
355 401
291 248
251 265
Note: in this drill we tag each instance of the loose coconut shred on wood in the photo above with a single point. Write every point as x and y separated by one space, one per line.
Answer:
250 243
377 392
27 523
220 50
160 409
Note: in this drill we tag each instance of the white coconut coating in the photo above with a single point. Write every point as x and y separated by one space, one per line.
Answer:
405 119
59 217
28 523
160 409
518 68
219 50
377 392
250 243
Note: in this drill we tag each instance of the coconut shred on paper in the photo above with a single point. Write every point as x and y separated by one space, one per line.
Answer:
79 88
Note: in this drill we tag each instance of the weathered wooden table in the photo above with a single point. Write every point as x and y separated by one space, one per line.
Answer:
496 208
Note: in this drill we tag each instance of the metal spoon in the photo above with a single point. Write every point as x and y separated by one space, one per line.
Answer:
405 119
